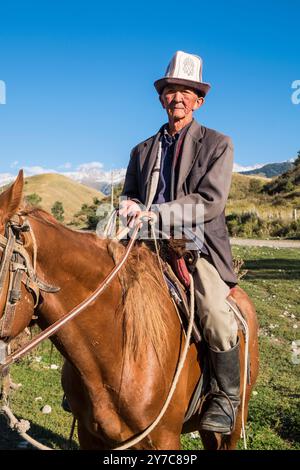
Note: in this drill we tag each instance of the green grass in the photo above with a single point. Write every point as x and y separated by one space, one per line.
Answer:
273 283
40 387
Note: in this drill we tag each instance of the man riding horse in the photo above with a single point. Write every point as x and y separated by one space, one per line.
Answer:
195 170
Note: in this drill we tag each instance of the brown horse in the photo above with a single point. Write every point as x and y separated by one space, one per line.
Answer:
122 351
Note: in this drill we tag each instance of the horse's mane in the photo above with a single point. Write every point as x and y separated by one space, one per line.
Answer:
145 300
145 296
44 216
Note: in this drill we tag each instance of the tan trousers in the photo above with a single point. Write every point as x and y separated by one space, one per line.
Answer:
216 317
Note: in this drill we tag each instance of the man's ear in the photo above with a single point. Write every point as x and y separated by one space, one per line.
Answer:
11 199
198 103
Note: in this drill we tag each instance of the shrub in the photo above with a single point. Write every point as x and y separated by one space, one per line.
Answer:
34 199
255 186
57 211
250 225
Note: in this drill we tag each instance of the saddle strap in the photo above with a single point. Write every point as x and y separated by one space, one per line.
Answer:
8 246
180 268
9 312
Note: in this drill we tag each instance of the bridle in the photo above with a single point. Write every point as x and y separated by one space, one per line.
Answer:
20 268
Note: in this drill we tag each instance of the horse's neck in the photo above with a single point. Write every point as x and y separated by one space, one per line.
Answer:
76 263
65 256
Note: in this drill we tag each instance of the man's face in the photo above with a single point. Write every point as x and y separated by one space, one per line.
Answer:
180 101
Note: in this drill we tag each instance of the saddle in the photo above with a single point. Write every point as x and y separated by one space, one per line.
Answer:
178 264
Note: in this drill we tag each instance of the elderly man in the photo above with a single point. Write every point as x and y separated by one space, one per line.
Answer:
195 170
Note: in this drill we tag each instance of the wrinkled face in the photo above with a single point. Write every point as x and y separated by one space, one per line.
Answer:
180 101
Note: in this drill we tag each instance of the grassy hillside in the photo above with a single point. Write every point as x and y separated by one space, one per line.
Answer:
243 186
285 183
54 187
253 193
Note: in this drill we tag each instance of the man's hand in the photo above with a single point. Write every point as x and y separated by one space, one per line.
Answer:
129 208
143 216
133 210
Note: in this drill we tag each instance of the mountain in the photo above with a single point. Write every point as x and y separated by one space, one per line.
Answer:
270 170
53 187
241 169
93 176
287 184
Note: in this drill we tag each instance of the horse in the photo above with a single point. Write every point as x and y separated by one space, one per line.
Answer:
122 351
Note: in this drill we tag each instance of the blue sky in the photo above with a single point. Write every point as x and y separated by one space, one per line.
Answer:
79 77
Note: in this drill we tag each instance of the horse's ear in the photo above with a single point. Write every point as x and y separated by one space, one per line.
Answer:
11 199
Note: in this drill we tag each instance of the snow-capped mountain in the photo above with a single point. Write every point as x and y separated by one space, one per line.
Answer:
92 174
6 178
238 168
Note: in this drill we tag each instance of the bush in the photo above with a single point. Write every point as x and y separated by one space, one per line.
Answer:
87 215
246 224
250 225
57 211
289 186
278 201
255 186
33 199
290 230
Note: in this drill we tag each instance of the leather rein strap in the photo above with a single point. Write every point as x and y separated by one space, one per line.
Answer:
74 312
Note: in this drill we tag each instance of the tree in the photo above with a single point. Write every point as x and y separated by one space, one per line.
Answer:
57 211
33 199
289 186
88 215
255 186
297 161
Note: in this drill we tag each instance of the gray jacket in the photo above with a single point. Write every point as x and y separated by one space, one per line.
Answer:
204 178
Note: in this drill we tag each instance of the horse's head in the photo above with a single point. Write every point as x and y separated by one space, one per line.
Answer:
17 299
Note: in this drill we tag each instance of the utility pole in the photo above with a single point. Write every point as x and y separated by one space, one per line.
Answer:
112 191
295 214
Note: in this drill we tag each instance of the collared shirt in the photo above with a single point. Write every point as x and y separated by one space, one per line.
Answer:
168 151
170 154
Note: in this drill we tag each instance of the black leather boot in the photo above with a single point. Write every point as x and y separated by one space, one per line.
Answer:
225 396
